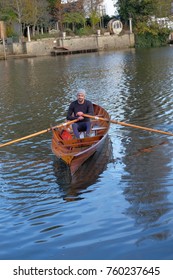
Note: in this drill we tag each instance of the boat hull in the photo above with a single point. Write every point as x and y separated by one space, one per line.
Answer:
75 152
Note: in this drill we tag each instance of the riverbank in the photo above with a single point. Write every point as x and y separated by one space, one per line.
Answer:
67 45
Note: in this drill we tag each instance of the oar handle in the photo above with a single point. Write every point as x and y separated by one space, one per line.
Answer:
129 125
63 124
37 133
96 118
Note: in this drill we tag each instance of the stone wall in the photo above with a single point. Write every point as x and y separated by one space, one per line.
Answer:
45 46
116 42
15 49
103 42
40 47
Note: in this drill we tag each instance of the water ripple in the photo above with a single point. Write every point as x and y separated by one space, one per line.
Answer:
119 204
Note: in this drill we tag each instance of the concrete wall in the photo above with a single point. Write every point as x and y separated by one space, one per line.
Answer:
116 42
78 43
15 48
18 48
44 47
103 42
40 47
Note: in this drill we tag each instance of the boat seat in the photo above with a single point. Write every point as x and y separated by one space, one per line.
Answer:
82 144
80 140
98 128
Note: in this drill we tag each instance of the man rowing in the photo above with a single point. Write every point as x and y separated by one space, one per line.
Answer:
76 110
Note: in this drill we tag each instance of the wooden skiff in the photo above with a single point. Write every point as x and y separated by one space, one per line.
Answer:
74 152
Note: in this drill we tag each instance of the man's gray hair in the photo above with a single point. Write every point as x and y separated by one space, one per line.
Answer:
81 91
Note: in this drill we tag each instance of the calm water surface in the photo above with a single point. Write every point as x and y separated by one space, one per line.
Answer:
120 203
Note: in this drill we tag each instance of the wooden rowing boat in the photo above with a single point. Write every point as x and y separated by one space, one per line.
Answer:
74 152
87 174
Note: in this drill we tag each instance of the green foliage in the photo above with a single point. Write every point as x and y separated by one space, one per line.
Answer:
69 32
151 36
52 2
163 8
143 28
146 35
74 18
94 18
139 10
8 15
10 32
69 14
85 31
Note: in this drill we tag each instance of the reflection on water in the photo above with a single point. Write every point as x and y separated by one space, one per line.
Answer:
147 160
147 166
110 209
87 175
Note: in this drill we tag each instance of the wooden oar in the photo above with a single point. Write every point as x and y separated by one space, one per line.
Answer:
129 125
37 133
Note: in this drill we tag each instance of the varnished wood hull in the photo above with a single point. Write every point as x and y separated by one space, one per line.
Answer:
87 174
75 152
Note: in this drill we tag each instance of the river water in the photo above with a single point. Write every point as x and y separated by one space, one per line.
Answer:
120 203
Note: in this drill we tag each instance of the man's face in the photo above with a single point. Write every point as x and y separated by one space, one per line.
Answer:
80 98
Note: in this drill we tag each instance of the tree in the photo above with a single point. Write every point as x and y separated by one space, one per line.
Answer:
62 10
148 33
25 12
139 10
93 11
34 13
74 19
6 14
163 8
13 9
95 18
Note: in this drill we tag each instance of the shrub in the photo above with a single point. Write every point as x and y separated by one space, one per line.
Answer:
150 35
85 31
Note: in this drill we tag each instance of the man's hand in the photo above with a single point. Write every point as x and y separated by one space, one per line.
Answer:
80 118
79 114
